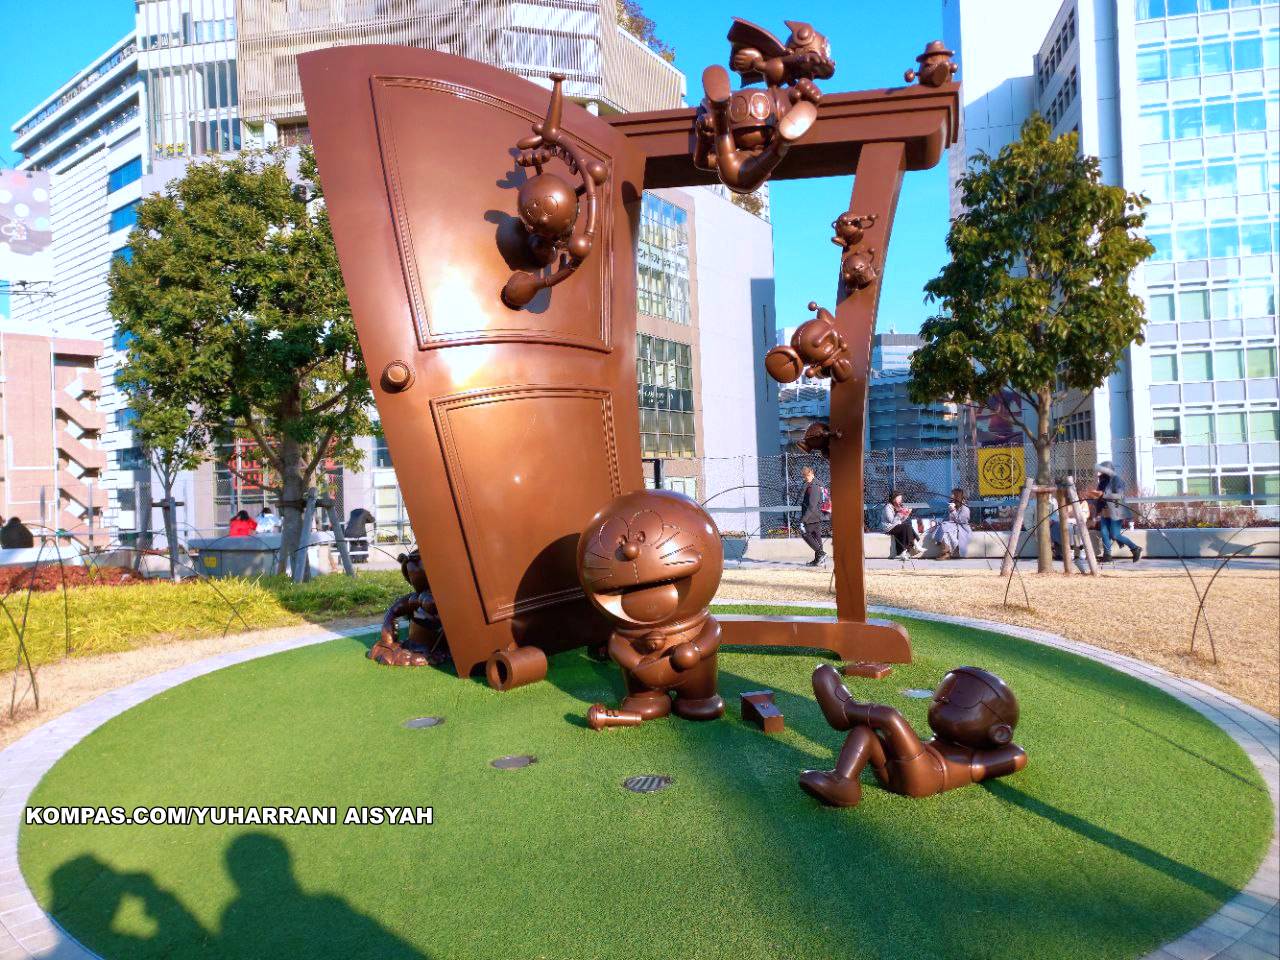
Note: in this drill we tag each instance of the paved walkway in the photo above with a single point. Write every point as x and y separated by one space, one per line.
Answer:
1246 928
1205 565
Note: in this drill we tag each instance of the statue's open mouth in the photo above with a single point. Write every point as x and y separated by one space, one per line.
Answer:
643 603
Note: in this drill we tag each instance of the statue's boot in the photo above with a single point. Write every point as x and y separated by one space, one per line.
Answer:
831 789
705 708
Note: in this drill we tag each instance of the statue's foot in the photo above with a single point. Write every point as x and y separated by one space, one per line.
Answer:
715 84
650 706
707 708
797 121
831 694
392 654
832 790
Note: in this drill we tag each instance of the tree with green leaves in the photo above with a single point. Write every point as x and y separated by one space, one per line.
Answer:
167 426
631 18
1036 297
235 294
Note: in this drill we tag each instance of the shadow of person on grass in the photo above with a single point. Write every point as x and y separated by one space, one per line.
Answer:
89 895
274 917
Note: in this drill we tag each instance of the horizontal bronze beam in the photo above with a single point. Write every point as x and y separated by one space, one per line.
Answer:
925 119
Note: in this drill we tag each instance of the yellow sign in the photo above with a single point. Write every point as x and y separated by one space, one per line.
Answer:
1001 471
211 562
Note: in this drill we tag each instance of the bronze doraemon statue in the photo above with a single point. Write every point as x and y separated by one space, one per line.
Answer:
651 562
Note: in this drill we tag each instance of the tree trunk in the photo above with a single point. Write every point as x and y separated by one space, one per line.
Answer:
292 490
1044 477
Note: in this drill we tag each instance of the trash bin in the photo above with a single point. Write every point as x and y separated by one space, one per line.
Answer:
236 556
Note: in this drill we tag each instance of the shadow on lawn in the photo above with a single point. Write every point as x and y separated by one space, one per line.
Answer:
818 857
272 916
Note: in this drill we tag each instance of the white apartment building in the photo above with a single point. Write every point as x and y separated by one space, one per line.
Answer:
214 76
1178 99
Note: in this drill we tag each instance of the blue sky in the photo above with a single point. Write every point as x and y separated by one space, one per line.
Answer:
872 43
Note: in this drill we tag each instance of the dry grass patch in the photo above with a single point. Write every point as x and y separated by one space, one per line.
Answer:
1146 615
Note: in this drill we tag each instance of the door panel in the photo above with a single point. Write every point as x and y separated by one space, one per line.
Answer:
517 424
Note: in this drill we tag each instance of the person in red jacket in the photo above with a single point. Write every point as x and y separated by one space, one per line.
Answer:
242 525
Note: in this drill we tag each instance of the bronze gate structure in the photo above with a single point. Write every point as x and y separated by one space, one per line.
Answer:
512 418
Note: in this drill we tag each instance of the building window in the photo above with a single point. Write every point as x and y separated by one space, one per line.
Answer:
1264 426
123 253
1266 484
293 135
381 453
1164 368
664 376
124 174
124 418
123 217
1197 429
121 339
1230 427
1196 366
131 458
662 261
1167 430
1077 426
1262 363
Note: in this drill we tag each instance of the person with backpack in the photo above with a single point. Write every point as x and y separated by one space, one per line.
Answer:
1109 498
813 501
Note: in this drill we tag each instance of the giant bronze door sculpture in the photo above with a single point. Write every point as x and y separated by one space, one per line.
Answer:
502 346
508 425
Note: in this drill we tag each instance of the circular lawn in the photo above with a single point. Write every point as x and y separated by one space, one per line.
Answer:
1133 821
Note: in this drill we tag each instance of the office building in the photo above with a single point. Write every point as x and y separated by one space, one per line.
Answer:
198 77
1178 100
51 473
892 420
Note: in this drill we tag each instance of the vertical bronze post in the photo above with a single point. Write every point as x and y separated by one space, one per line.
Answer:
877 180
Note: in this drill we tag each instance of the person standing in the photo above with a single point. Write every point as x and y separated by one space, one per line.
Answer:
1110 500
895 520
811 515
357 534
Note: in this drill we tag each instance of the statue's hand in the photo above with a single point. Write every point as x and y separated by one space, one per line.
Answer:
685 656
806 89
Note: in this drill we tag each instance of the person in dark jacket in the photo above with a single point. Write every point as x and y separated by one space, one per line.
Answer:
14 535
811 516
357 534
1109 499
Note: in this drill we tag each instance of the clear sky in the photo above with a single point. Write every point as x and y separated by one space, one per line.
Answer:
46 41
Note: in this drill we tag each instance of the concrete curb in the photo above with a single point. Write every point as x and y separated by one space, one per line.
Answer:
1246 928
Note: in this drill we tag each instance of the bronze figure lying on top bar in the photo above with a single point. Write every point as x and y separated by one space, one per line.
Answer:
973 714
744 135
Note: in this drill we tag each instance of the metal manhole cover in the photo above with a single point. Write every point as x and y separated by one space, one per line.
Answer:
648 783
417 723
917 693
513 762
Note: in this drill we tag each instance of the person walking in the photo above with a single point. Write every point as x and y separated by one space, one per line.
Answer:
1110 500
895 520
811 516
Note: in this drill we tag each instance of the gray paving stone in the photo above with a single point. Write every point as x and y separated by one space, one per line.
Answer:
1240 950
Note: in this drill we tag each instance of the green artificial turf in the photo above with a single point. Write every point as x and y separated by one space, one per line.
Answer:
1133 821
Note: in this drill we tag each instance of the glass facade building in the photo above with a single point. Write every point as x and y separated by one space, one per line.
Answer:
662 260
1178 99
1208 151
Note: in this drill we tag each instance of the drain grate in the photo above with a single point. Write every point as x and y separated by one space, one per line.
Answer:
917 693
648 783
513 762
418 723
